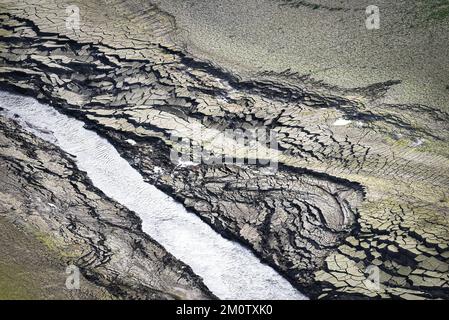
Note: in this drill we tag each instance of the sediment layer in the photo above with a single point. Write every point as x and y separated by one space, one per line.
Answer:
45 196
371 192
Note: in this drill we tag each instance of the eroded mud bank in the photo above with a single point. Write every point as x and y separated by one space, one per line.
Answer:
229 270
372 192
48 198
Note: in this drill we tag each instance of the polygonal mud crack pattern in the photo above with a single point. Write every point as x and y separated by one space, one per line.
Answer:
122 74
43 193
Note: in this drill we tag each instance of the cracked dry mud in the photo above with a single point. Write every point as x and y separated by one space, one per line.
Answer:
45 195
371 192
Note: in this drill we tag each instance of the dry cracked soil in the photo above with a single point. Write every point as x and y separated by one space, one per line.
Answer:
361 181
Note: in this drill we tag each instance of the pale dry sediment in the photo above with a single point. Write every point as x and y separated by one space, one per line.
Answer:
135 83
62 216
229 270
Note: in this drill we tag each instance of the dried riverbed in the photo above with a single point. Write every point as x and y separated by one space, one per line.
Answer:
229 270
360 184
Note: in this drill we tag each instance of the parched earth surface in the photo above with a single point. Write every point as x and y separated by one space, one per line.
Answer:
29 270
51 217
359 185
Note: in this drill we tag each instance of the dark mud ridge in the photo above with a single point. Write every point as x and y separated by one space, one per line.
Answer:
44 194
359 187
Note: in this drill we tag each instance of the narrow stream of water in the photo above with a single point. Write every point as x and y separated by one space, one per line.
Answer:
228 269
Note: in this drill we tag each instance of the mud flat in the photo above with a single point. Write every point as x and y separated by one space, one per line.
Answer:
229 270
325 42
361 183
52 217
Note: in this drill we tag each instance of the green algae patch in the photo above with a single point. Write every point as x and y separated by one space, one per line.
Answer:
60 249
436 147
437 9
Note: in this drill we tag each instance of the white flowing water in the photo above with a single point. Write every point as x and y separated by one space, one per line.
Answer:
228 269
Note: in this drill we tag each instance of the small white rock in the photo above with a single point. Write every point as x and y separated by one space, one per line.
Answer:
131 142
417 143
341 122
158 170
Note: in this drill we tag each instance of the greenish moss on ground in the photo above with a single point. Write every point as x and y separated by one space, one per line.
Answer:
31 268
435 9
16 283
